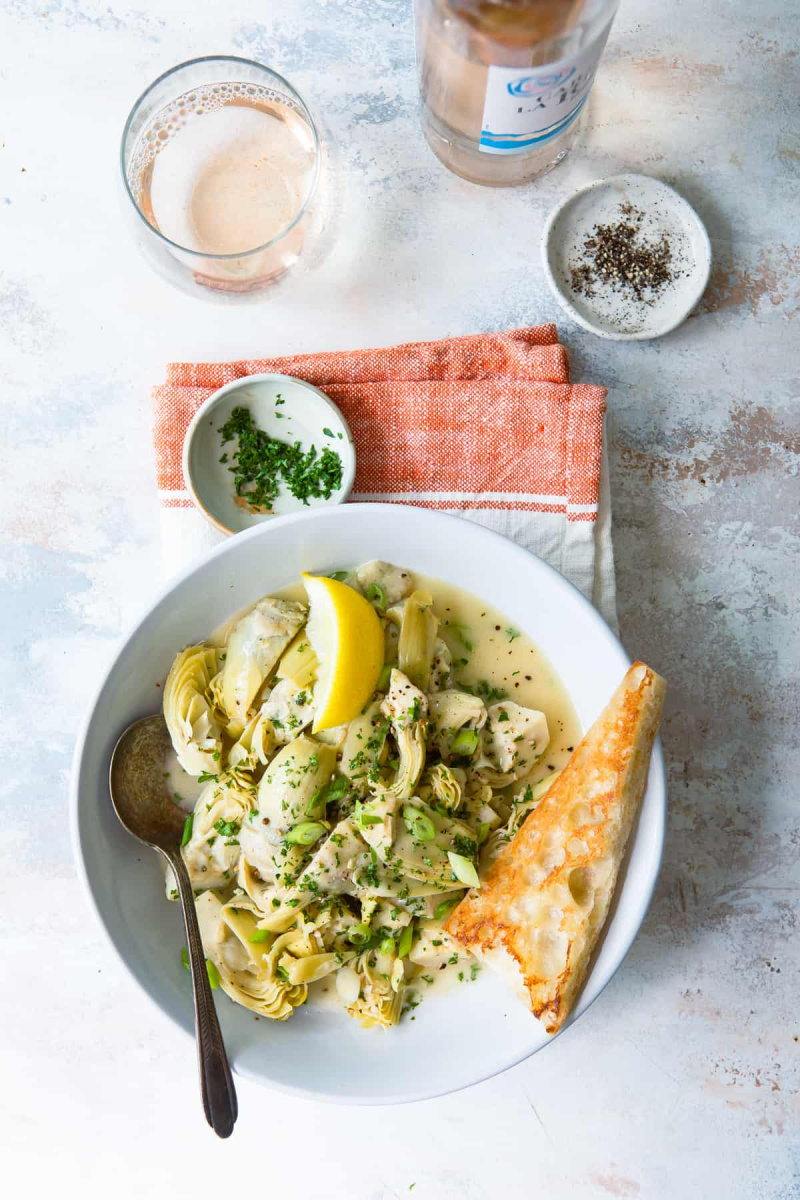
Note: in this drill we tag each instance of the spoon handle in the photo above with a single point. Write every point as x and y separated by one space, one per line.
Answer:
216 1083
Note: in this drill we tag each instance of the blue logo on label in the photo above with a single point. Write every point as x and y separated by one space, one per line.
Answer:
530 85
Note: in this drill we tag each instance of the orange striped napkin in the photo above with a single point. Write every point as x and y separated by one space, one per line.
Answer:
488 426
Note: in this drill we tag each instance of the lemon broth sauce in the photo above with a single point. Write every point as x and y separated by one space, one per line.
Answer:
500 662
486 649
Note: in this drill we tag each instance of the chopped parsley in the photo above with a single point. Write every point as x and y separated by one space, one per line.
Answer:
465 846
262 463
484 690
461 632
228 829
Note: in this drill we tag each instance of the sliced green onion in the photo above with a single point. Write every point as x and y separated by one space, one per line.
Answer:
464 869
213 973
306 833
187 829
388 946
420 826
385 677
445 907
259 935
482 832
339 576
333 791
315 803
465 742
336 789
363 818
359 935
406 938
376 596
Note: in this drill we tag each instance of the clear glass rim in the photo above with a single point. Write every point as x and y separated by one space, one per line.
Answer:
247 62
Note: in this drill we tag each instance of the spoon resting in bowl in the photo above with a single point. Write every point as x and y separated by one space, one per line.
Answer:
144 807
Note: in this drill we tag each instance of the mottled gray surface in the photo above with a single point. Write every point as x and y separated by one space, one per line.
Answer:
682 1081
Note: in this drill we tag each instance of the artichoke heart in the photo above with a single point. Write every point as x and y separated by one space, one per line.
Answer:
254 647
288 709
450 713
380 993
394 582
254 746
213 848
441 785
364 747
191 721
291 782
407 709
256 985
513 739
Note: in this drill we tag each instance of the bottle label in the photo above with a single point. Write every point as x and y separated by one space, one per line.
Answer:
528 106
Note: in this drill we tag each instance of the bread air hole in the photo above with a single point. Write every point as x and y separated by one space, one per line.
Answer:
580 886
579 814
551 954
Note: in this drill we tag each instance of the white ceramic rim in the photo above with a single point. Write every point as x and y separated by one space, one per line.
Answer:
566 304
348 459
656 779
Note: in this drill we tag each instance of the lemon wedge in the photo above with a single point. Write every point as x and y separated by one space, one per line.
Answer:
347 637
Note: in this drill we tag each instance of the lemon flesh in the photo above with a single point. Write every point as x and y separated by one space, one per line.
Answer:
347 637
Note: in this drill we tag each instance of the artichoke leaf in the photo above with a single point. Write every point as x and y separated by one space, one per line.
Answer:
255 644
418 639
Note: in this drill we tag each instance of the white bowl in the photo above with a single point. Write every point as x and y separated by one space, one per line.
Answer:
467 1034
612 314
303 414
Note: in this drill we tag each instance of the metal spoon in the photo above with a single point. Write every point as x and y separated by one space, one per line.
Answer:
144 807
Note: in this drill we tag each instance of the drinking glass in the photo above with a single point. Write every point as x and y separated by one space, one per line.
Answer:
220 161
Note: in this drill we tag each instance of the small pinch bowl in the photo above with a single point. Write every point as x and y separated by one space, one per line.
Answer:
303 415
614 315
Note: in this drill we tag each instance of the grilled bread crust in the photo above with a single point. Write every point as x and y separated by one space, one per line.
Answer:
539 911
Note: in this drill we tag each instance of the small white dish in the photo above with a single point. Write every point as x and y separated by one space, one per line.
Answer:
615 314
286 408
467 1033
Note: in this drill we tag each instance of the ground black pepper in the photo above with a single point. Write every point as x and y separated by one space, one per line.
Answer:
616 255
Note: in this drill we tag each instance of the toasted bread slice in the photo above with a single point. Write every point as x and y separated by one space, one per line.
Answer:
539 912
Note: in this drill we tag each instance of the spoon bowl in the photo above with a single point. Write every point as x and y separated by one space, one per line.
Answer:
140 799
